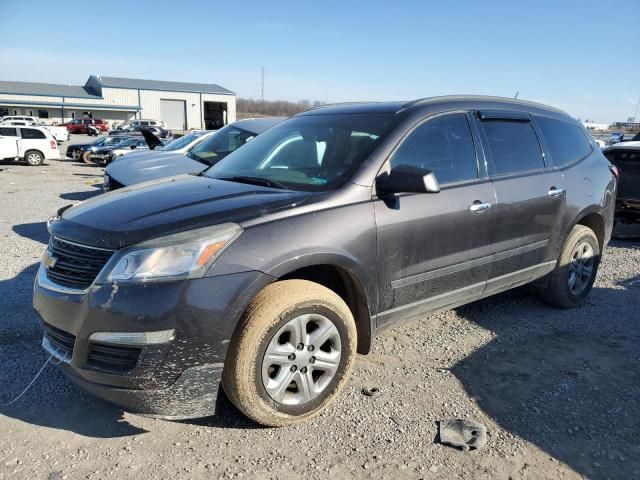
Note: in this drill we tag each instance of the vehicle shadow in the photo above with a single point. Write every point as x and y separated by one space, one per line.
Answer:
81 196
36 231
53 400
563 383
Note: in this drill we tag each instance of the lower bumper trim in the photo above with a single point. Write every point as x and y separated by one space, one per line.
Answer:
193 395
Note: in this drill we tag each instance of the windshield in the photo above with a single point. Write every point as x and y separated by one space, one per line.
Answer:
311 153
220 144
127 142
181 142
112 141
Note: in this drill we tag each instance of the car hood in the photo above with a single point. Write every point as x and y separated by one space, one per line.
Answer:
131 215
154 165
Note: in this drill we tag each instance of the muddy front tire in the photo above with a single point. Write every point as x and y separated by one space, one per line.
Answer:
291 355
571 281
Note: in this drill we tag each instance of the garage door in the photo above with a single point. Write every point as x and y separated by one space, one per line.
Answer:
173 113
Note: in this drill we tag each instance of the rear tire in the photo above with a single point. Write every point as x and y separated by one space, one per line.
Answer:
34 158
571 281
274 372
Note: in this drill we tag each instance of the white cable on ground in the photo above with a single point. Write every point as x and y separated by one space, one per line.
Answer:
31 383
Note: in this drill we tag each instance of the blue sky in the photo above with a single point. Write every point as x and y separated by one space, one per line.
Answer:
581 56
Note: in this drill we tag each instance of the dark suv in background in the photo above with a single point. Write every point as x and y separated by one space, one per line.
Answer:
269 271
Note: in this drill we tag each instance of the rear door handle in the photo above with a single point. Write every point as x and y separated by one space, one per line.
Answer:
478 207
554 192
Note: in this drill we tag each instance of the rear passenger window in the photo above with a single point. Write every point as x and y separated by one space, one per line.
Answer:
514 146
8 132
31 134
566 142
443 145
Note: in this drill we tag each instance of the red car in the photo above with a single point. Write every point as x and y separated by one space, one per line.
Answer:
79 125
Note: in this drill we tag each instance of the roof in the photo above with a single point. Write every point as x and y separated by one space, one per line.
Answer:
134 83
49 89
481 101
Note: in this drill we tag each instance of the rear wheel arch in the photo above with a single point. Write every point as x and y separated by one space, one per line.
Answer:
595 221
34 150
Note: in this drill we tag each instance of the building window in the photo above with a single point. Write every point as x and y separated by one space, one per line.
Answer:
43 113
73 115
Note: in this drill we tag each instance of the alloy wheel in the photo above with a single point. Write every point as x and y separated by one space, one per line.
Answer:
34 159
301 359
581 268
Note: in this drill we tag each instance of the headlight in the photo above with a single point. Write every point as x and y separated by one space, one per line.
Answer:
183 255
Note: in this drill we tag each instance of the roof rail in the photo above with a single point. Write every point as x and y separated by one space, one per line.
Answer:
337 104
518 101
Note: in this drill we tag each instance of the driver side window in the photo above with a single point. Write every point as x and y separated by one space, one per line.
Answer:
443 145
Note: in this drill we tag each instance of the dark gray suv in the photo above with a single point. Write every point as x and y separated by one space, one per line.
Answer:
268 272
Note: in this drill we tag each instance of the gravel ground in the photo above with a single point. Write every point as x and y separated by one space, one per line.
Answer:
558 391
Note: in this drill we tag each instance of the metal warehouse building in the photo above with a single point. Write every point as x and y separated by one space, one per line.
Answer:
182 106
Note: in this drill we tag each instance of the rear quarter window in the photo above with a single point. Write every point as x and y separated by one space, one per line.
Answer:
32 134
567 142
514 146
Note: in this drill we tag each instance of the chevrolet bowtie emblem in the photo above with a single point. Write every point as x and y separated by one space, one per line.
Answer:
48 261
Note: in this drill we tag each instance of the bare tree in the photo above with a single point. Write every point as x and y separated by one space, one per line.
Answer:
248 107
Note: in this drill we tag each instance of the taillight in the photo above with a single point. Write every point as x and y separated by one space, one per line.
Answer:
54 144
615 171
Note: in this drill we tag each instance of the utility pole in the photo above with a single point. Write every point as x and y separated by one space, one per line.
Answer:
262 95
516 95
635 115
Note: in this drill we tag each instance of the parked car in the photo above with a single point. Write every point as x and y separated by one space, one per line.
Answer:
179 146
142 122
76 150
202 156
37 143
61 134
626 157
616 137
79 125
22 118
268 272
137 130
107 153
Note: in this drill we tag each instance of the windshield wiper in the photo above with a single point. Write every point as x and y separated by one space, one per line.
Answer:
265 182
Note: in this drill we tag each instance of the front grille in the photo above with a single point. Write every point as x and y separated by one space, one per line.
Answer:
62 341
76 266
112 358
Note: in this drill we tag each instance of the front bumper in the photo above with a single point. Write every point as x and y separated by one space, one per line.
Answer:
176 379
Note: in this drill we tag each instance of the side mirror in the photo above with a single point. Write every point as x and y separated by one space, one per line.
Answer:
132 147
408 179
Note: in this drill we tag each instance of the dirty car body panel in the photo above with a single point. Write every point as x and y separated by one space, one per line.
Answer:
402 255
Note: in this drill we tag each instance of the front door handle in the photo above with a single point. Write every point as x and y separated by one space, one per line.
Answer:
479 207
554 192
